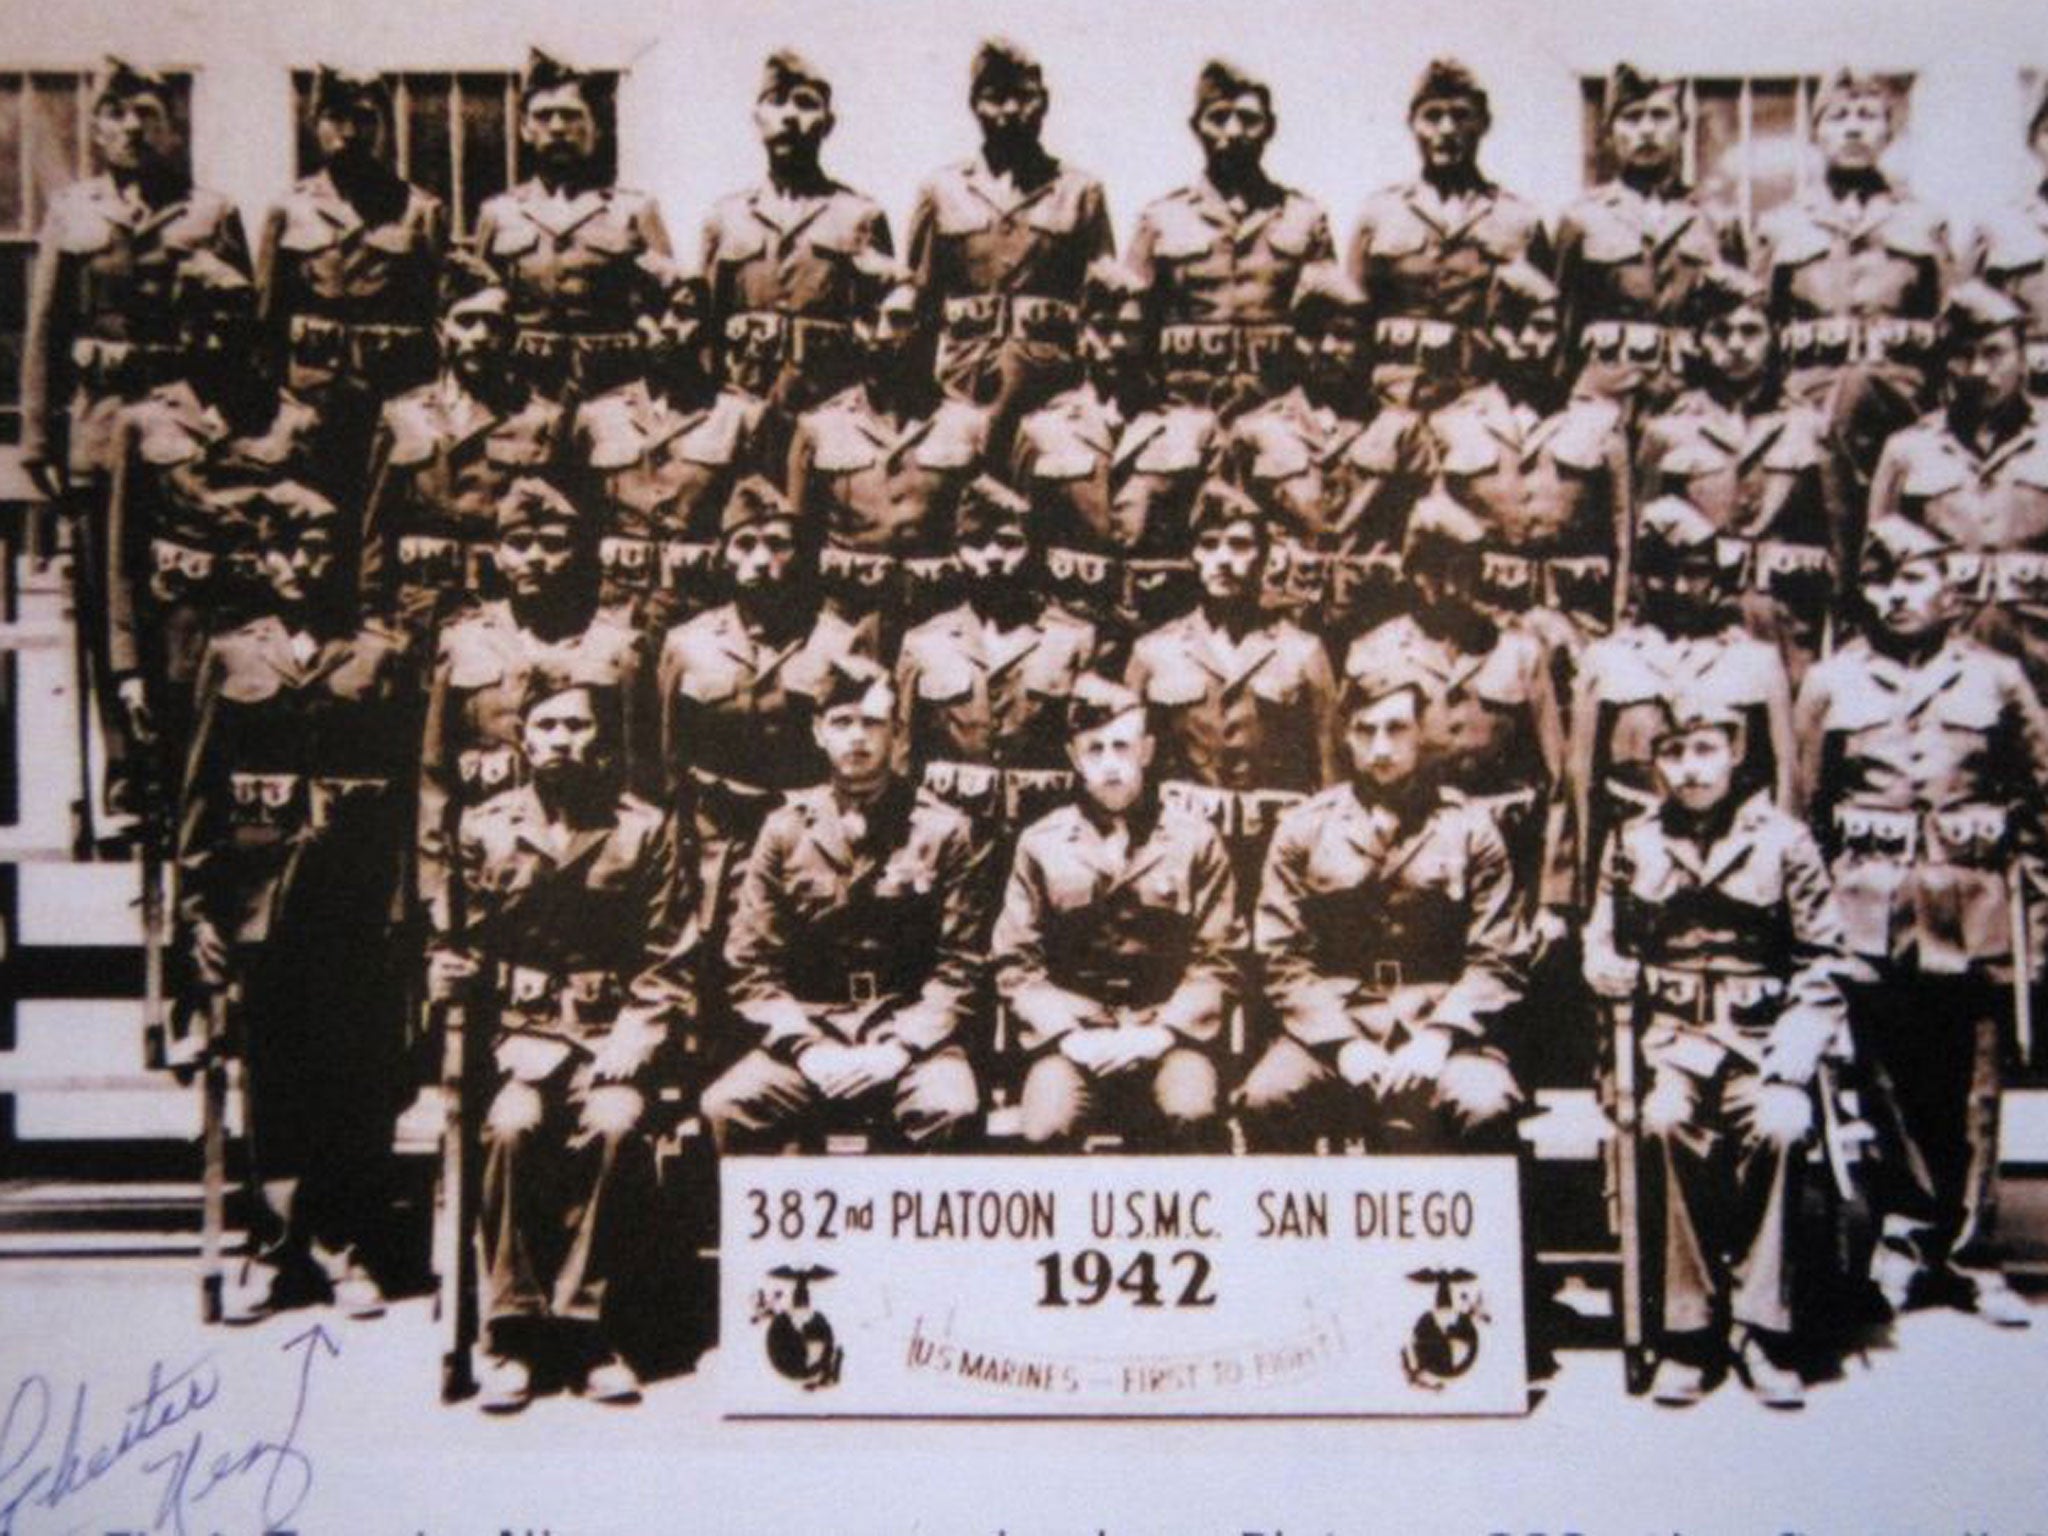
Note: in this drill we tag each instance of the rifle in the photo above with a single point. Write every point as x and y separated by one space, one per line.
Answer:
456 1191
2022 964
213 1103
156 902
1625 1191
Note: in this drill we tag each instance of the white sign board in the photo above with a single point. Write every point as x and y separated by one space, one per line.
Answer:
1120 1287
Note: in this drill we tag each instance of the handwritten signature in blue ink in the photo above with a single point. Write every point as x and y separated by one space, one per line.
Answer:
168 1419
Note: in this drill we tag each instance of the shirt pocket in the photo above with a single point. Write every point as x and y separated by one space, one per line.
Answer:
1933 475
950 452
705 687
1176 686
393 239
1613 245
1063 464
304 233
86 236
1397 240
1069 883
509 240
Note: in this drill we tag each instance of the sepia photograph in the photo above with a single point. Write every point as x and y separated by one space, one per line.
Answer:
1003 766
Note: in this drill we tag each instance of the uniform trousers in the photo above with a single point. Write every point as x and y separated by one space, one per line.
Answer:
762 1102
1294 1095
1728 1148
1170 1103
568 1193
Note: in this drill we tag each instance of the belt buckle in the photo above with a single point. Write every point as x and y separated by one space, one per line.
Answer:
1386 975
862 987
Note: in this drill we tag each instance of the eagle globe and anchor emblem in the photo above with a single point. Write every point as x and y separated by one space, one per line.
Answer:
799 1340
1444 1343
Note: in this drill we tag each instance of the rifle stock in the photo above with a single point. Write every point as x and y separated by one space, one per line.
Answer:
455 1300
213 1097
1624 1149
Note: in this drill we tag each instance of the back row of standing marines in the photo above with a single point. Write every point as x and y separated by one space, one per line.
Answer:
1568 492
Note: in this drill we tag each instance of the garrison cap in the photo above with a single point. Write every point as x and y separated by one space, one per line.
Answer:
1720 291
119 80
1674 534
469 286
987 507
876 276
1223 81
754 500
1109 285
1893 542
1627 85
531 502
545 72
1324 295
1001 64
857 681
668 286
1518 291
206 285
1449 80
337 90
1218 503
785 70
286 510
1096 700
546 681
1439 525
1696 709
1975 309
1845 85
1380 672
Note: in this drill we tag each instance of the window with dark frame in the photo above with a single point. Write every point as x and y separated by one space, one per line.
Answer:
1751 144
45 145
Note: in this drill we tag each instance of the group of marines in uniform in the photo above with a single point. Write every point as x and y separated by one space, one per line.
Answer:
1235 696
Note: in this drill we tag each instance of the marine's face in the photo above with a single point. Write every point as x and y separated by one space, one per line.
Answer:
1228 557
297 567
560 734
1737 345
1913 600
759 556
888 337
350 134
131 132
474 340
793 121
1234 132
998 559
1647 134
1696 768
1853 133
1111 761
536 558
673 336
1988 372
1447 132
559 127
1329 356
1010 114
856 738
1384 739
1532 343
1115 340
